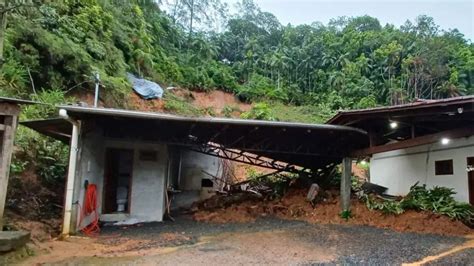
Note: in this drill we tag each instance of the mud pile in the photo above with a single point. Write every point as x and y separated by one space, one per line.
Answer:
294 206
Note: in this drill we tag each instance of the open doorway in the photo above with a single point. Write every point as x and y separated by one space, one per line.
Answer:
117 181
470 178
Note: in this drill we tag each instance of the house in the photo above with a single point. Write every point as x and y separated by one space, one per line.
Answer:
427 142
141 164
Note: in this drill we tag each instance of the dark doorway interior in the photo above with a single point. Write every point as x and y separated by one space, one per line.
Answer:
118 180
470 178
174 167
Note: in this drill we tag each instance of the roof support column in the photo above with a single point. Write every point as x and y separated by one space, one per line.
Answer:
346 184
69 218
7 133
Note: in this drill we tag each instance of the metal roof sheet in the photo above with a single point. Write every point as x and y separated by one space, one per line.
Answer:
419 104
78 110
17 101
307 145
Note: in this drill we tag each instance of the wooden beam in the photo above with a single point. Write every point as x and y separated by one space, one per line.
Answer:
9 109
6 150
427 139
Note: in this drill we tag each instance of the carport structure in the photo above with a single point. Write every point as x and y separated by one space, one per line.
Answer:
283 146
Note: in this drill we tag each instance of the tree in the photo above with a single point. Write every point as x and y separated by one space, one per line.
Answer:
7 6
191 12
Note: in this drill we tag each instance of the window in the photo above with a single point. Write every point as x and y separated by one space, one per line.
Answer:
444 167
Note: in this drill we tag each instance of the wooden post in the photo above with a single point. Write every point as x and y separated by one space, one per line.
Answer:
6 149
8 119
346 183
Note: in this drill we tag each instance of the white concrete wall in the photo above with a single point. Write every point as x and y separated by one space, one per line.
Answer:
400 169
148 178
90 167
192 166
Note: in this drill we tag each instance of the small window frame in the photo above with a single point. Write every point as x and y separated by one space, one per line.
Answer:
444 167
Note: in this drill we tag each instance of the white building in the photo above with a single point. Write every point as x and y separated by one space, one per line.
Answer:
433 164
425 142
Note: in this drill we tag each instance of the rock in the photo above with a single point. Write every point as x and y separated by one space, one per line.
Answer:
10 240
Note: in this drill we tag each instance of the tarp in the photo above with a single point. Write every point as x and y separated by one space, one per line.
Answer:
145 88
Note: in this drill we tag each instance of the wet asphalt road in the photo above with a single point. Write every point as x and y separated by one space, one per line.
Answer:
354 245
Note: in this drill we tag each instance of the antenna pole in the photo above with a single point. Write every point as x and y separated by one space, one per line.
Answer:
96 98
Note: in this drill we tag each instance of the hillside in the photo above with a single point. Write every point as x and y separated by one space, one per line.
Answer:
349 63
253 67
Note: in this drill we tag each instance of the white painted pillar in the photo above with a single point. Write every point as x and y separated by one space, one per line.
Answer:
71 175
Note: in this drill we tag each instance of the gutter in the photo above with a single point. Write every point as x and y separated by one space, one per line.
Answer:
71 174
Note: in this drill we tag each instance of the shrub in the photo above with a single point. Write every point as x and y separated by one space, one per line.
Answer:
259 87
13 78
437 200
261 111
179 105
48 157
228 110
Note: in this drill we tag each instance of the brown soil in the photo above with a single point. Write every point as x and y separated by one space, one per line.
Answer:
294 206
214 100
138 103
218 100
359 172
40 230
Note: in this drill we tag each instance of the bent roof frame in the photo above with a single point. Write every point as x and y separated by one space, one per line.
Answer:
309 146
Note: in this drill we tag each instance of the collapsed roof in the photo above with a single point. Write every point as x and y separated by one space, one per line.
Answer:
286 145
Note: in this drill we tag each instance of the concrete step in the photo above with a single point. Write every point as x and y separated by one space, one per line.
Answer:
10 240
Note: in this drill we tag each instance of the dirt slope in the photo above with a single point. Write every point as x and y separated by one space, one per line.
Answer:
214 100
218 100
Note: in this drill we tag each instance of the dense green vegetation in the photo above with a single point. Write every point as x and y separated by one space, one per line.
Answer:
50 50
438 200
349 63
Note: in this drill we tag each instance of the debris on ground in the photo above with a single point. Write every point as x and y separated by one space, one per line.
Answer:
42 230
295 206
33 206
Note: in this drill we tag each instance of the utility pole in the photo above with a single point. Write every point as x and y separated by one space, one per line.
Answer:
97 83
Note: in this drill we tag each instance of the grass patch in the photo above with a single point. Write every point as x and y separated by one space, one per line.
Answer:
303 114
180 106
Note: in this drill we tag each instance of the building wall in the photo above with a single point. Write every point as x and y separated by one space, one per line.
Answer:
148 180
400 169
90 167
193 166
147 198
